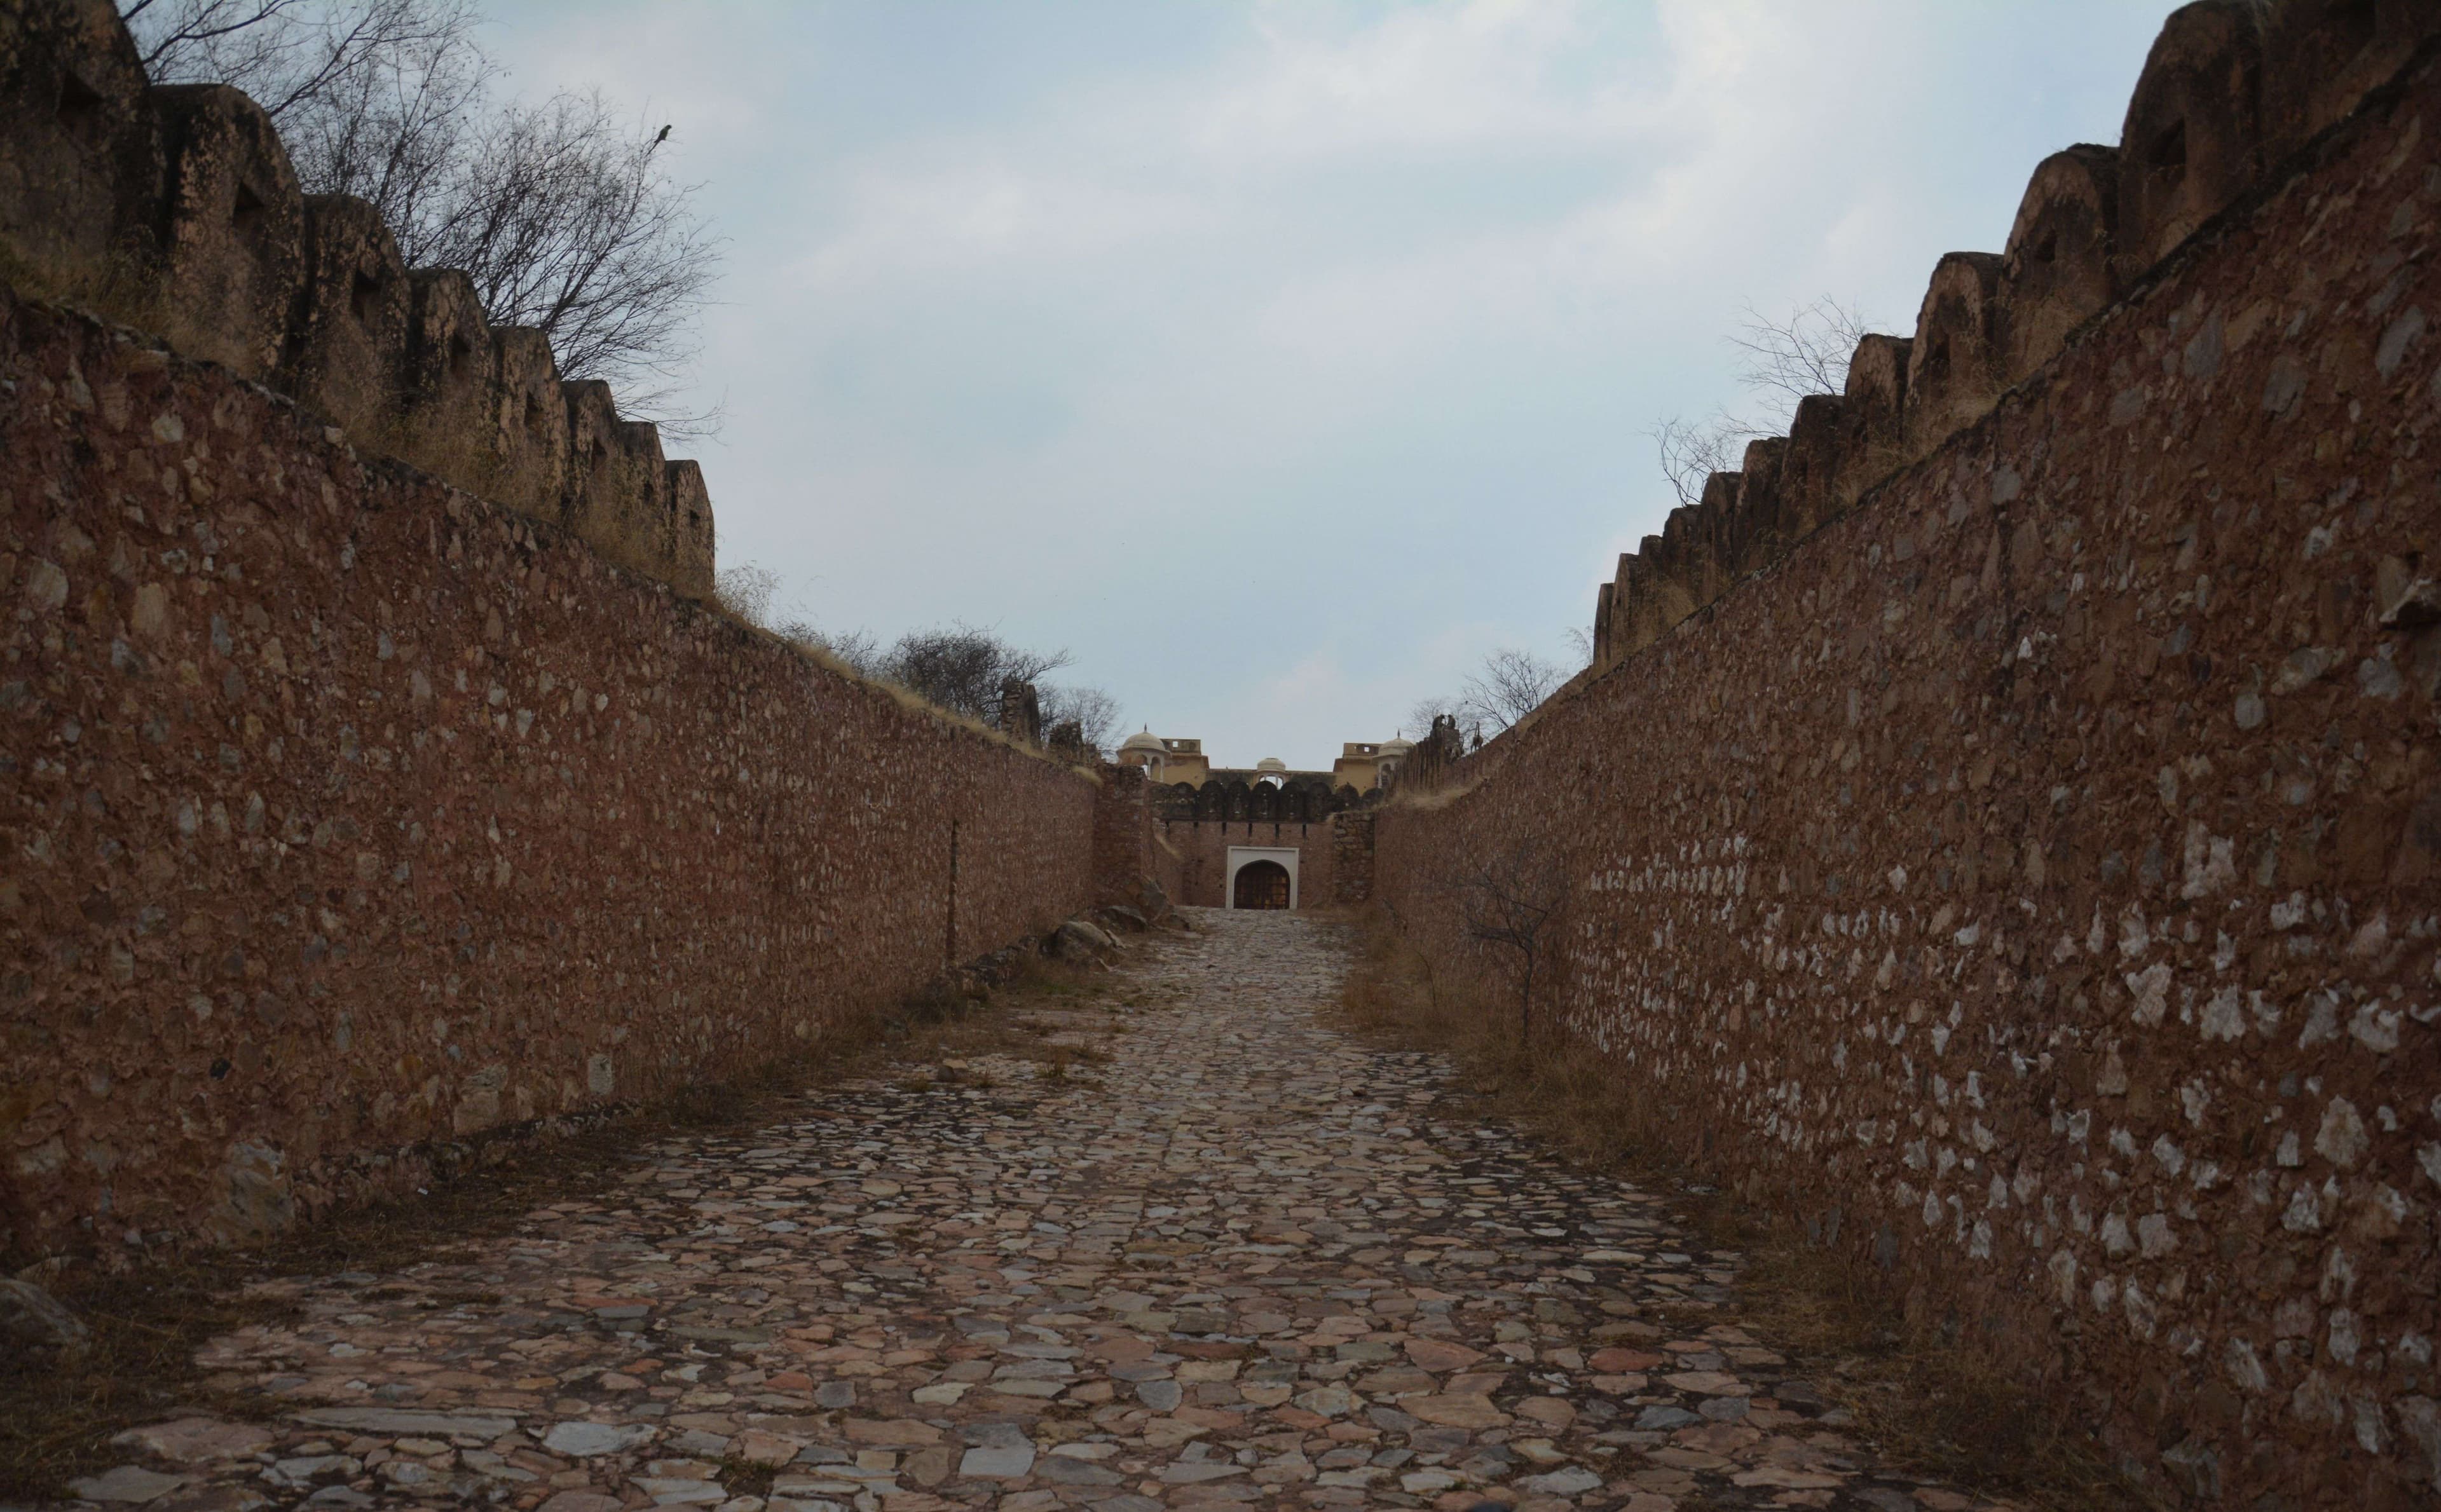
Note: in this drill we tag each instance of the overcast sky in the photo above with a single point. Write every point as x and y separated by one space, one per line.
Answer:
1282 360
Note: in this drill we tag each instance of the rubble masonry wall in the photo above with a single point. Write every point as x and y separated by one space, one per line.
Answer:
344 811
2028 883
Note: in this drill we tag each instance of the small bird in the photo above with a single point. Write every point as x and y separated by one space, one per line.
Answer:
663 138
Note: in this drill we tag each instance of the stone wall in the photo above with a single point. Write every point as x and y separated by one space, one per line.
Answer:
175 210
1351 857
2231 89
2030 882
345 810
1124 858
1201 849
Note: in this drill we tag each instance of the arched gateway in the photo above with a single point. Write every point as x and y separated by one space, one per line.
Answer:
1262 876
1261 885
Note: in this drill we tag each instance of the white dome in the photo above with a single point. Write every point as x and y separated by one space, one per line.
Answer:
1142 740
1270 763
1397 746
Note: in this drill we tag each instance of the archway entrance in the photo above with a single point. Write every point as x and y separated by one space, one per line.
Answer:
1261 885
1262 876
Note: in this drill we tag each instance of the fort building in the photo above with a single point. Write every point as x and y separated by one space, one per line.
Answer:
1268 836
1171 761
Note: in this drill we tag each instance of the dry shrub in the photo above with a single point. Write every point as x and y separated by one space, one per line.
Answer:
1934 1398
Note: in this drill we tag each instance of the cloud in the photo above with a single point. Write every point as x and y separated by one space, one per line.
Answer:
1493 74
1282 359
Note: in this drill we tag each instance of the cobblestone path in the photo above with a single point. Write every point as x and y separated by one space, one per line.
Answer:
1243 1265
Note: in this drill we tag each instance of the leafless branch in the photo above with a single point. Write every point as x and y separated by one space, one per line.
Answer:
859 650
566 221
1093 710
1510 685
564 212
1690 452
963 668
292 55
1510 900
1805 353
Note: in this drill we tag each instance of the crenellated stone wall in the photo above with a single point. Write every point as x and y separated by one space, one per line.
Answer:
174 209
2029 882
346 812
2231 90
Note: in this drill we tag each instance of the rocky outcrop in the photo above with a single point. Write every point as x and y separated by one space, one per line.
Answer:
174 209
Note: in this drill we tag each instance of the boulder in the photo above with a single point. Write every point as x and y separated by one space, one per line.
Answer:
31 1318
1152 901
1081 939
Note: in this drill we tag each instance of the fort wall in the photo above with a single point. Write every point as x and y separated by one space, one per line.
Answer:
175 210
2230 88
1125 858
2025 879
346 810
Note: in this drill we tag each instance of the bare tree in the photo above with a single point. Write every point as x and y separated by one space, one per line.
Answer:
1093 710
1506 687
566 220
1784 361
395 131
1510 900
1580 640
1691 451
291 55
958 667
962 669
1806 353
1426 710
564 212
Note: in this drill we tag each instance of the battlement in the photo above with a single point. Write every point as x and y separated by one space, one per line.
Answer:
175 210
1306 797
2232 96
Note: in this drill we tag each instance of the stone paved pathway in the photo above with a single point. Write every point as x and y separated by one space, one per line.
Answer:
1244 1265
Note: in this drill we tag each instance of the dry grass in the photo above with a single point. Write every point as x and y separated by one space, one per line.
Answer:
1428 799
744 617
1932 1402
57 1416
